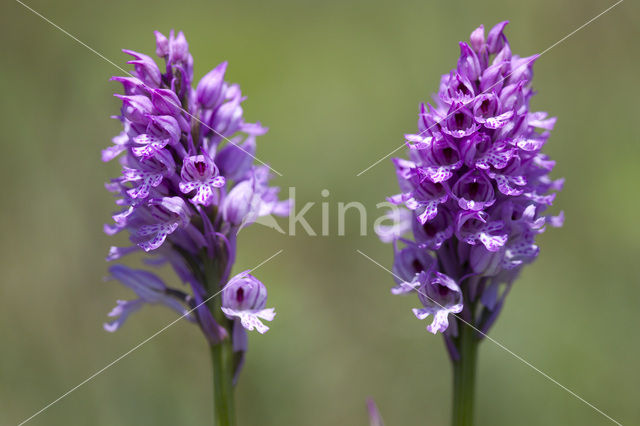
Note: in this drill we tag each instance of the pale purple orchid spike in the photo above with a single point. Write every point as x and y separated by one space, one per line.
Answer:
185 189
476 186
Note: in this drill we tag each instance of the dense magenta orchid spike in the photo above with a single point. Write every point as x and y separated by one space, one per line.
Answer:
476 187
188 184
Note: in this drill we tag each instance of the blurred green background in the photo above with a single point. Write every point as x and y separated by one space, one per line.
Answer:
338 83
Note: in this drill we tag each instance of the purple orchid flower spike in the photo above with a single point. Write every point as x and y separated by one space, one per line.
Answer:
474 193
188 182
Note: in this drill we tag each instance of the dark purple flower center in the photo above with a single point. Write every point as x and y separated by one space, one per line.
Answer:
430 229
448 154
417 266
473 189
240 295
429 190
516 214
200 167
462 88
436 190
484 106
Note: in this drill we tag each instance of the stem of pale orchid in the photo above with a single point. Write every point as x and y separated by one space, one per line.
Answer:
223 398
222 359
464 377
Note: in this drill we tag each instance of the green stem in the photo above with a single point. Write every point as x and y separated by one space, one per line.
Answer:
464 377
222 357
222 362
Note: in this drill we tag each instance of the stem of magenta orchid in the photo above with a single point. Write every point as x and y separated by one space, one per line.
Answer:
464 376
